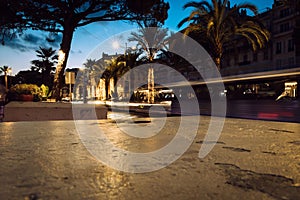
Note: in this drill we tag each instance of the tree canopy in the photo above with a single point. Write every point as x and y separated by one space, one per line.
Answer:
65 16
218 23
150 40
45 64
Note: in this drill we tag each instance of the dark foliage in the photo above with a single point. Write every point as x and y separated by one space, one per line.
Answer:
65 16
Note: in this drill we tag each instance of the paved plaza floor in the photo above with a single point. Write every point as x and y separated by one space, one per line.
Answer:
251 160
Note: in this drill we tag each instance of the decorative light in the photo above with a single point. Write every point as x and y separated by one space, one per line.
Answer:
61 57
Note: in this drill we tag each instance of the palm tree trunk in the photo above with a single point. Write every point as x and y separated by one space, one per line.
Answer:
5 79
106 89
218 53
47 77
116 88
218 62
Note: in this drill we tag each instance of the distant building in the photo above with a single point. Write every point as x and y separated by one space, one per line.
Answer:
282 51
281 55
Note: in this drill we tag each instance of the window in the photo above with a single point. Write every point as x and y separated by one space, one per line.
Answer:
254 57
290 45
267 24
291 61
284 12
228 61
284 27
236 59
278 63
266 54
245 58
278 47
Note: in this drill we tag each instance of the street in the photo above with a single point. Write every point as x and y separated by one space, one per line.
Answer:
287 111
252 159
262 109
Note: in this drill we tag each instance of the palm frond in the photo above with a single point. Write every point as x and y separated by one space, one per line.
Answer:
221 24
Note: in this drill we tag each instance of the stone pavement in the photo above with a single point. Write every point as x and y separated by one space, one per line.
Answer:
41 111
251 160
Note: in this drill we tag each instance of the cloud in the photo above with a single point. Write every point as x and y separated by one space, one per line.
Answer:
16 43
54 39
76 52
32 40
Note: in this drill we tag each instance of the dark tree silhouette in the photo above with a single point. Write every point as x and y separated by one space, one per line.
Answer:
5 70
29 77
64 16
45 64
11 22
218 23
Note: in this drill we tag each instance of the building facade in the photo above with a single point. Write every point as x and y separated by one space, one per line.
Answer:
268 72
282 51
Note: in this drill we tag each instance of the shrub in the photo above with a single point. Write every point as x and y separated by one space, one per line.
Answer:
20 89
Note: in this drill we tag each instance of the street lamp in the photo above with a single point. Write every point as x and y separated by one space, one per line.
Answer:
116 44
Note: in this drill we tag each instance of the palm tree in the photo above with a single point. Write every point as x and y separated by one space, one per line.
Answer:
45 65
89 64
219 24
5 70
129 61
150 41
108 75
116 68
94 71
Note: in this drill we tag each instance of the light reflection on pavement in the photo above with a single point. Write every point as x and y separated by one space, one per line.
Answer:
252 160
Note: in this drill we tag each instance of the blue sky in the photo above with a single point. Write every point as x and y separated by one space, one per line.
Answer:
17 54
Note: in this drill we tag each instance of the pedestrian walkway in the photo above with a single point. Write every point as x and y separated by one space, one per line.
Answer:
251 160
42 111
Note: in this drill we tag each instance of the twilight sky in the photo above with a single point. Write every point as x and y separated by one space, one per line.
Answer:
18 53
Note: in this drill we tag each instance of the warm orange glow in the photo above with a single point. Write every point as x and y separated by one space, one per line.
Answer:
61 57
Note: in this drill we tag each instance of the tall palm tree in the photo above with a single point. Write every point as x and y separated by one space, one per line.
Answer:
89 64
45 64
5 70
218 24
129 61
150 41
116 68
91 76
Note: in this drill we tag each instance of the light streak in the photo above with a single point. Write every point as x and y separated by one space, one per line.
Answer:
243 77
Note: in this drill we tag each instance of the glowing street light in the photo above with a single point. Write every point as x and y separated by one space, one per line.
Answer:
116 45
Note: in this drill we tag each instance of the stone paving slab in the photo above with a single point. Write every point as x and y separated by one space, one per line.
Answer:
251 160
41 111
